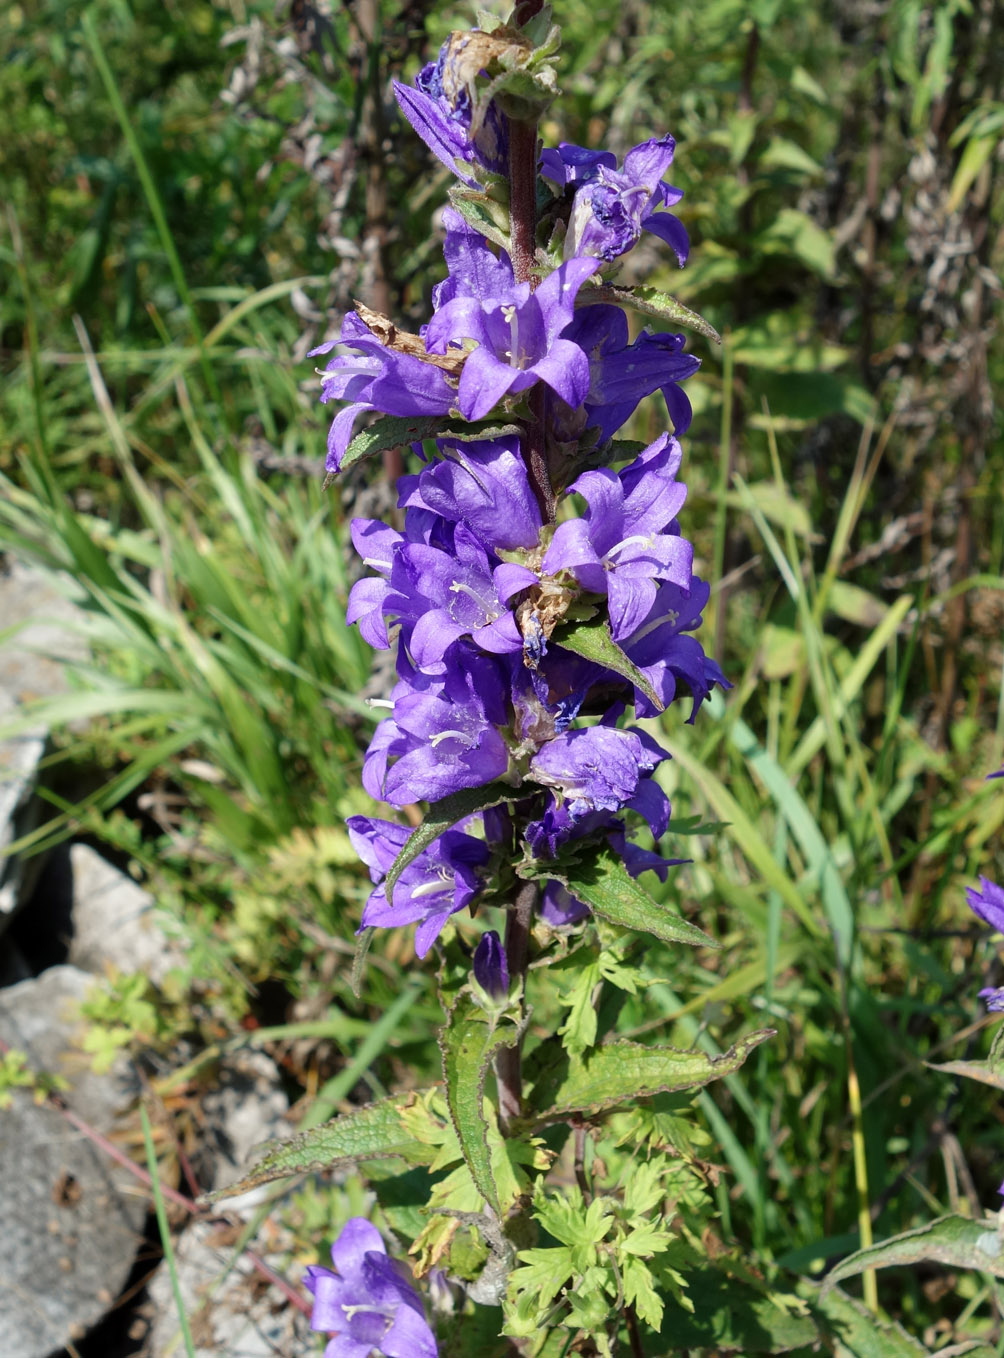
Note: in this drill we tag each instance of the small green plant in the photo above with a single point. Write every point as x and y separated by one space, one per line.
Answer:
15 1073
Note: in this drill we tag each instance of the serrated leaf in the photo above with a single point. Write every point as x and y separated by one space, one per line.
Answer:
593 641
650 302
394 431
441 816
957 1241
468 1043
599 879
639 1292
579 1028
623 1072
379 1130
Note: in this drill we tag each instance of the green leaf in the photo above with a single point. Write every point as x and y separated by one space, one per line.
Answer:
956 1241
811 840
387 1128
731 1316
592 640
971 162
468 1043
650 302
440 816
579 1028
856 1331
476 1332
796 232
394 431
775 503
622 1072
600 879
788 155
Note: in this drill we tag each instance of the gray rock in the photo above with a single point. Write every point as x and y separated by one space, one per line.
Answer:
32 665
230 1312
245 1107
113 921
72 1218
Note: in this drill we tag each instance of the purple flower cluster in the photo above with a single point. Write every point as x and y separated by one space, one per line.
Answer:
478 584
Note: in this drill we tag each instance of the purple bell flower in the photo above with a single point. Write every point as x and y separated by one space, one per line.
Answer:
994 998
622 373
988 903
367 1300
444 124
611 208
484 486
621 547
377 378
519 340
558 907
458 595
440 881
491 967
665 656
596 768
443 736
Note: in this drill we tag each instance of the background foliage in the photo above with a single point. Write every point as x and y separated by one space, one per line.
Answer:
193 193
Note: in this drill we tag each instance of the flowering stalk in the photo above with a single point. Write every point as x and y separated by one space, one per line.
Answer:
539 590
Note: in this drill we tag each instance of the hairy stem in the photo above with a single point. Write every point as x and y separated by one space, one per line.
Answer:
509 1061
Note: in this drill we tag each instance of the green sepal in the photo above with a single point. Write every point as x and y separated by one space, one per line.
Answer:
957 1241
599 879
485 211
520 66
650 302
394 431
441 816
620 1073
593 641
390 1127
468 1043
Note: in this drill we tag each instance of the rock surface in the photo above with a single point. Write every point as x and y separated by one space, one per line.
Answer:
113 921
233 1314
72 1219
32 665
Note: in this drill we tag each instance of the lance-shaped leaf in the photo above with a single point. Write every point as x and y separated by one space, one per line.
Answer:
622 1072
854 1330
956 1241
651 302
395 431
468 1044
444 813
592 640
599 879
972 1070
392 1127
